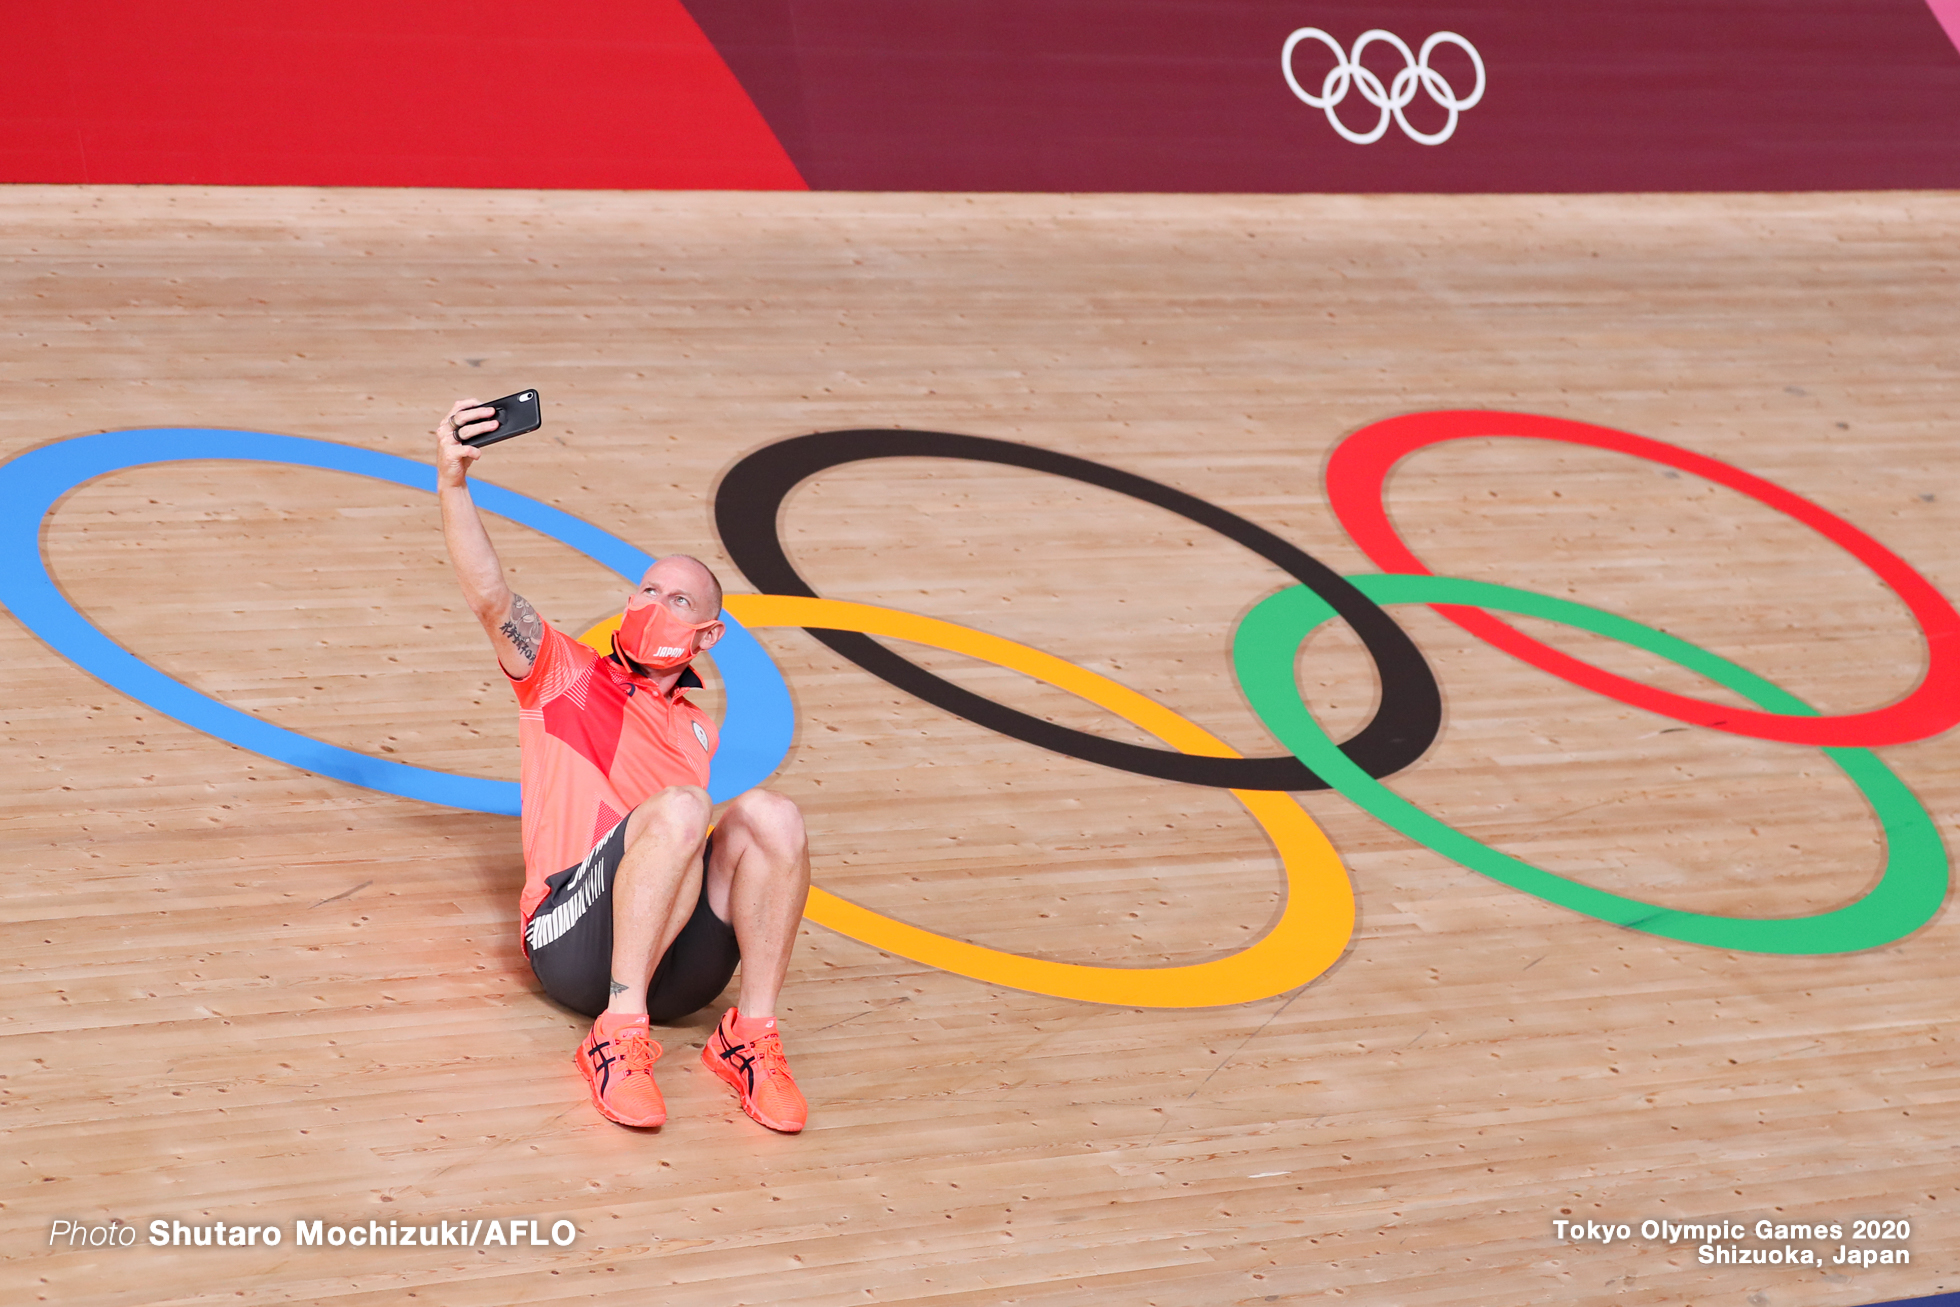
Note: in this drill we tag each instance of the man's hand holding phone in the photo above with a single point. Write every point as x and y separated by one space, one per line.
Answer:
472 424
453 457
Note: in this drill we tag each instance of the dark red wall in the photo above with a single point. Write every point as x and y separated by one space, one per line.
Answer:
1187 95
1149 95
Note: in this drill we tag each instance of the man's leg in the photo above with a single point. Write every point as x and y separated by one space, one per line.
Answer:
654 889
758 878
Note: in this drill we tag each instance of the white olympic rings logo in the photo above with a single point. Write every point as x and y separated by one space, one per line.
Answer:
1394 97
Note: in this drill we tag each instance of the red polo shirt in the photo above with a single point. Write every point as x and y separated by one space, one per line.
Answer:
596 741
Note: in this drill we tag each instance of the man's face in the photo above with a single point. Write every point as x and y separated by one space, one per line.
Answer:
683 585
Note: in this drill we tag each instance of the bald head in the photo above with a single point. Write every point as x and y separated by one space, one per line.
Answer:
685 576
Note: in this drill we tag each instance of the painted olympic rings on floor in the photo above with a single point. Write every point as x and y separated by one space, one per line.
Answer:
1309 936
1393 98
748 505
1909 892
760 721
1356 477
1319 915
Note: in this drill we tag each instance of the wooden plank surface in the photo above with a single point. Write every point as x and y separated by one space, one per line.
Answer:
236 991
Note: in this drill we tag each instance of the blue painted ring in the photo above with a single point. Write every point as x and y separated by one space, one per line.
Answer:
755 734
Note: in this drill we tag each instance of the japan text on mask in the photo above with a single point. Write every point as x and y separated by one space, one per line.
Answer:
654 638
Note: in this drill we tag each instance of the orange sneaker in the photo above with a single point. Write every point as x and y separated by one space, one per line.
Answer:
756 1069
617 1061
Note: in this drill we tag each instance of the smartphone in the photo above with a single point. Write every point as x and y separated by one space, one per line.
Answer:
516 414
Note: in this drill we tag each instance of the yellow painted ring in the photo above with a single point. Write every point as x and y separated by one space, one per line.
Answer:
1309 936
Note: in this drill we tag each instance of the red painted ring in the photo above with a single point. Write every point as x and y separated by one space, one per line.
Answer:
1357 476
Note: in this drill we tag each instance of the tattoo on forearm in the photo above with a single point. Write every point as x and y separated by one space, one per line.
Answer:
618 988
523 628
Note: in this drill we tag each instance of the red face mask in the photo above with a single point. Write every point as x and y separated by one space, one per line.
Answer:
654 638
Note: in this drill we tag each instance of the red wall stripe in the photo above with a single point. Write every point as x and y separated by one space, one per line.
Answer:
603 93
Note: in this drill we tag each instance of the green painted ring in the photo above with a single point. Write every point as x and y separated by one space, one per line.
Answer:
1910 890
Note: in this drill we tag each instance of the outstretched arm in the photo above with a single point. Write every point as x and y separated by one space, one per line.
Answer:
514 627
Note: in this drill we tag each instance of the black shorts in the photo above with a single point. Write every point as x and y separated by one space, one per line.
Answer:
570 938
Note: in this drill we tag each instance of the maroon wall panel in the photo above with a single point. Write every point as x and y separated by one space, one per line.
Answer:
1148 95
1187 95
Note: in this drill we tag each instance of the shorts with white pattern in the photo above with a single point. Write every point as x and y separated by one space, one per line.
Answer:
570 937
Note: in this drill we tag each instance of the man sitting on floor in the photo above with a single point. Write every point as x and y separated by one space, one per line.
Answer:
635 908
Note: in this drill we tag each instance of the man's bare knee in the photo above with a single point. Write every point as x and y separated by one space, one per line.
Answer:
770 818
678 814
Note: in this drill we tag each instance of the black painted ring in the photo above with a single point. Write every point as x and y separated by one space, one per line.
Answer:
749 501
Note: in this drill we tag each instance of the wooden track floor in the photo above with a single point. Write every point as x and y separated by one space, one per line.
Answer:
231 990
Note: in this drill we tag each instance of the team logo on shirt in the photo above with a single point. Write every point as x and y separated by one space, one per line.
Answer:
701 734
